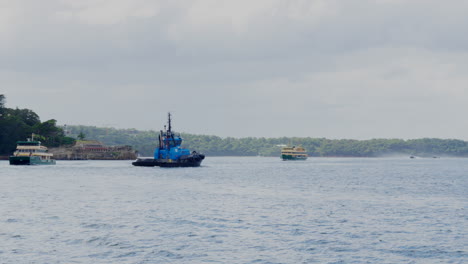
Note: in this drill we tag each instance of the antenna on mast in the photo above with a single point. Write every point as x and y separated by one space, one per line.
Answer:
169 121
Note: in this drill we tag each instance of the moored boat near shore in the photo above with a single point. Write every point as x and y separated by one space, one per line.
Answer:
31 152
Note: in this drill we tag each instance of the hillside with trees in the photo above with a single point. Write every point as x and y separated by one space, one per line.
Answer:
19 124
145 142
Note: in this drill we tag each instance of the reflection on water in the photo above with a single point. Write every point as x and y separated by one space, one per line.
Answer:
236 210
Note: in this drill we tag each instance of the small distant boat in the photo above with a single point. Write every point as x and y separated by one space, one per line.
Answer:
293 153
31 152
169 153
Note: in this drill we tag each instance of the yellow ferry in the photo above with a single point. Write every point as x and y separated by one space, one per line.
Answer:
293 153
31 152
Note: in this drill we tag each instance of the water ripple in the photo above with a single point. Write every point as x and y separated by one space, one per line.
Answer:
236 210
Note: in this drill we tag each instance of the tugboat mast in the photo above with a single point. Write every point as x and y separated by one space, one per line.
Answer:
169 121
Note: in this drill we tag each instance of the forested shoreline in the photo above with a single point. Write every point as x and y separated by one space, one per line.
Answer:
145 142
18 124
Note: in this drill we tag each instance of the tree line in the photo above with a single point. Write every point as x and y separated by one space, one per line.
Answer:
145 142
19 124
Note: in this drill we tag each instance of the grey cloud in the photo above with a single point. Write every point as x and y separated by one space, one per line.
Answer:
333 68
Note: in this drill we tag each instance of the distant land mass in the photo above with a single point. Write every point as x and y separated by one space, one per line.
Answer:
145 142
19 124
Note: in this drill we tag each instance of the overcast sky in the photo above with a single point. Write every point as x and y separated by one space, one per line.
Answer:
264 68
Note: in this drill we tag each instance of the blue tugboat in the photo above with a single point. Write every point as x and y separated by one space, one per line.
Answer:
169 153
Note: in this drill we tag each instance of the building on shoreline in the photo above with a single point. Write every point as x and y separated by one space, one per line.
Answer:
94 150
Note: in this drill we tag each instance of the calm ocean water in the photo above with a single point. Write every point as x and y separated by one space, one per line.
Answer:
237 210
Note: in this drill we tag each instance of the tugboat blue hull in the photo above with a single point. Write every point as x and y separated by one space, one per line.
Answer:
190 161
169 152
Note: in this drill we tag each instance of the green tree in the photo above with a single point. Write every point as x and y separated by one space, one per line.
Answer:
81 136
52 134
12 129
2 101
18 124
29 117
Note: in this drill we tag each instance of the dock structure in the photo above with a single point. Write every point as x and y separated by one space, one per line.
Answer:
94 150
